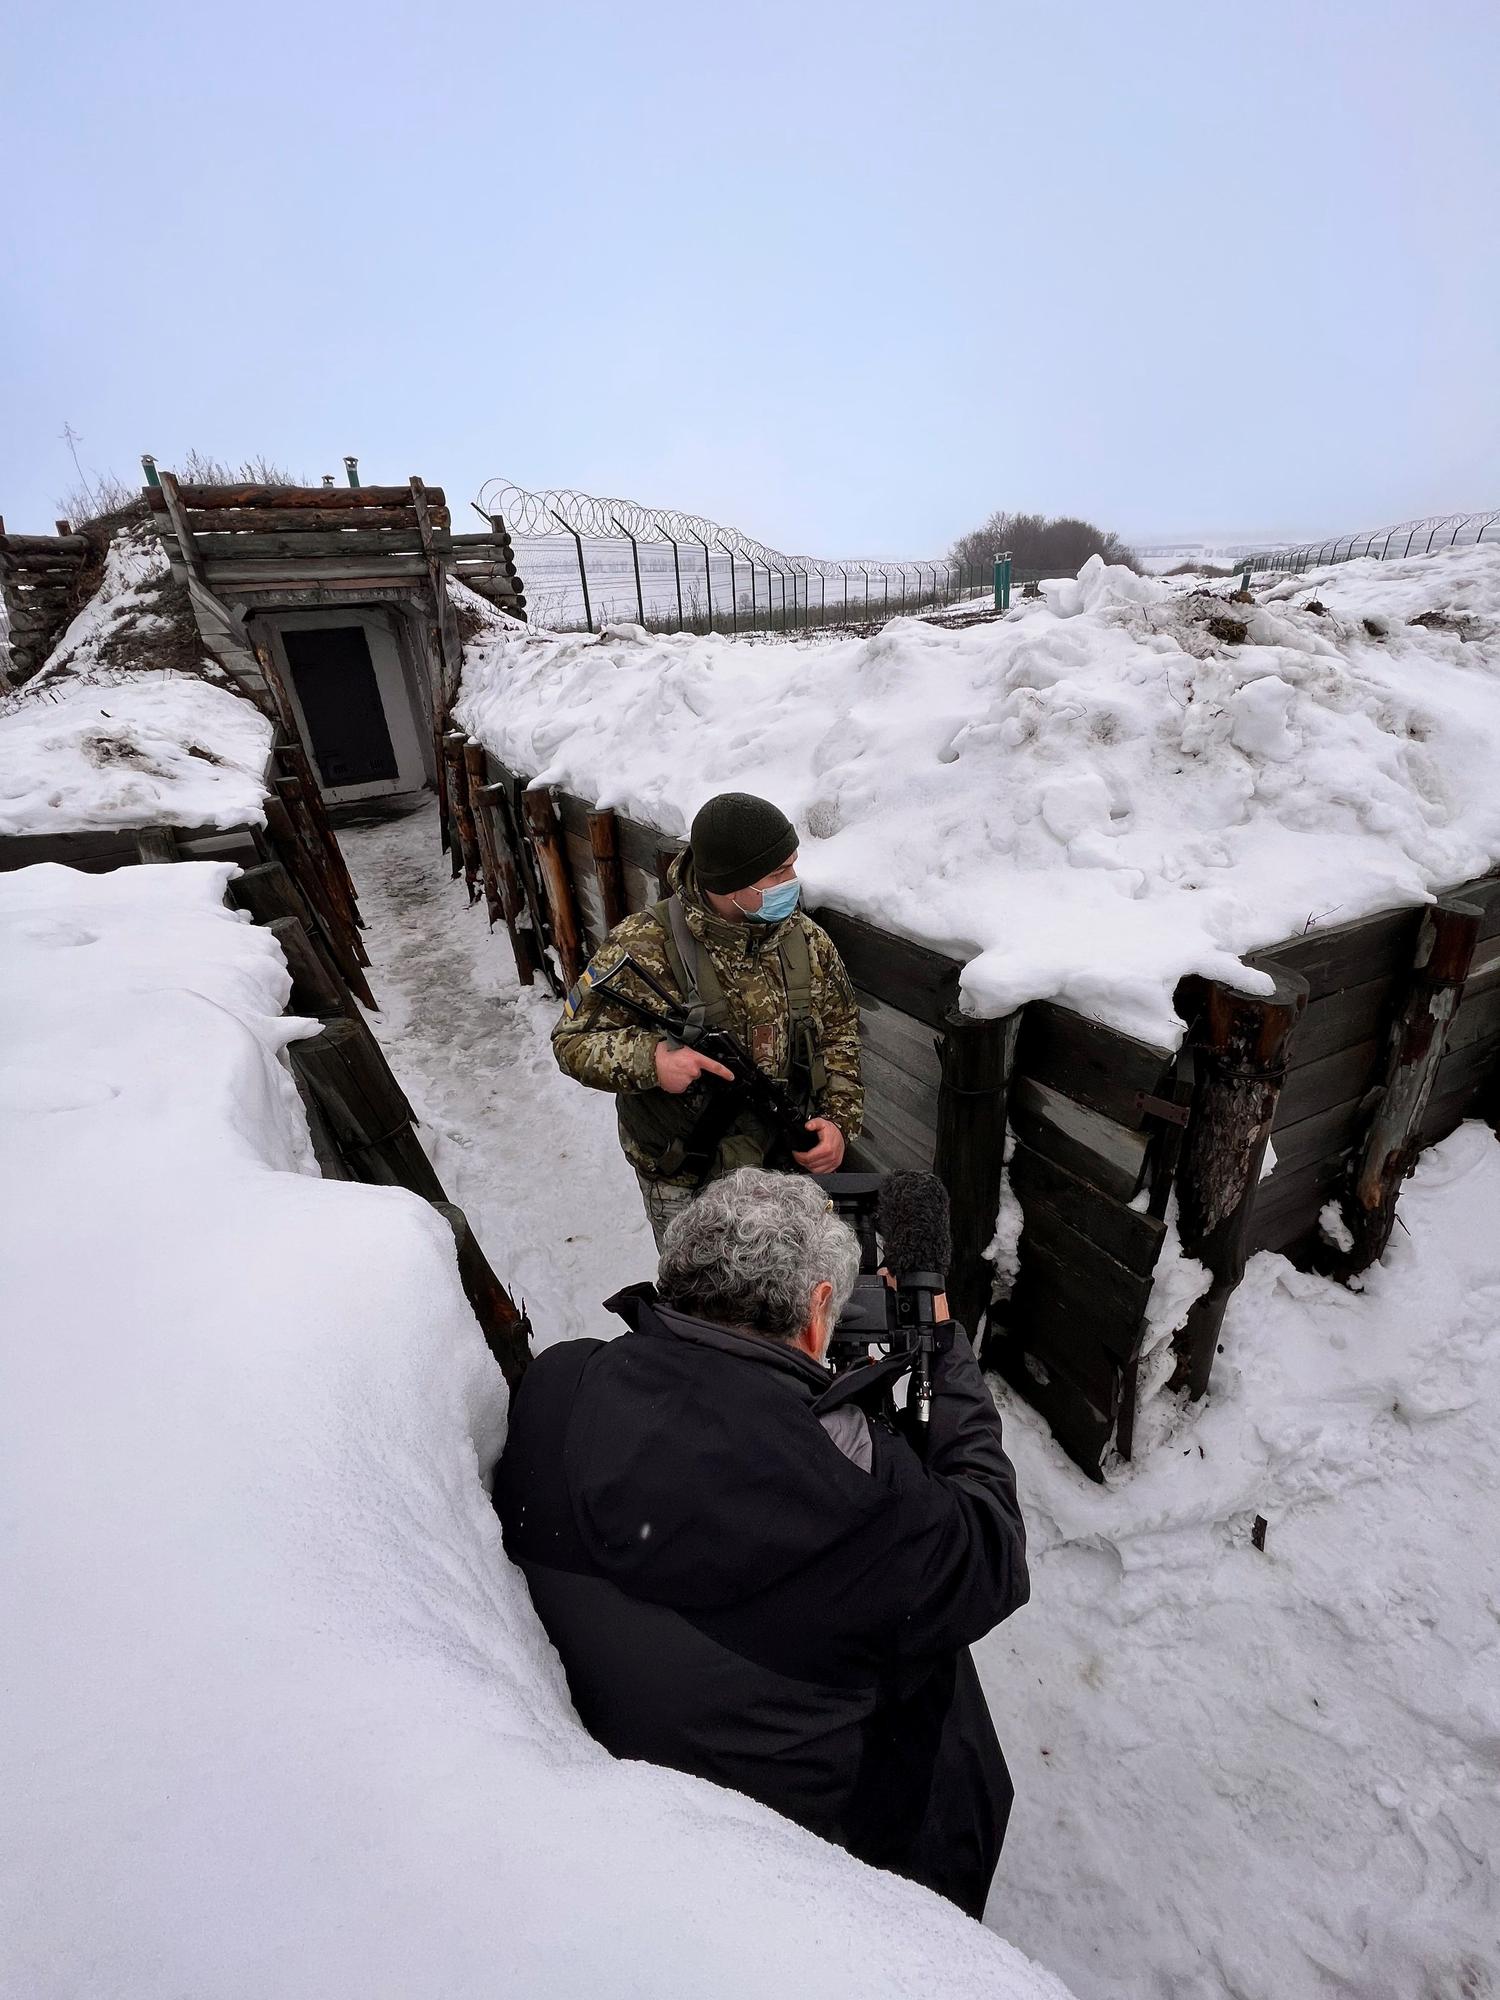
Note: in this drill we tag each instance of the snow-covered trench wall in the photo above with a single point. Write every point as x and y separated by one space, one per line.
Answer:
279 1716
1092 1119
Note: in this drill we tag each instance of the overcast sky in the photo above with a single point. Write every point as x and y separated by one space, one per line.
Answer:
845 276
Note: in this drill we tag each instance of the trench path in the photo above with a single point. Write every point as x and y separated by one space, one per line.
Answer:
1194 1728
530 1157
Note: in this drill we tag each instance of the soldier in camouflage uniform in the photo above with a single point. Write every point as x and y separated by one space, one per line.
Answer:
731 938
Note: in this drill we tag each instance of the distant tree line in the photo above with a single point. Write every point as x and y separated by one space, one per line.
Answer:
1059 546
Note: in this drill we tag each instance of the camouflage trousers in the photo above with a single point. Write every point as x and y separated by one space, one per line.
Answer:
663 1200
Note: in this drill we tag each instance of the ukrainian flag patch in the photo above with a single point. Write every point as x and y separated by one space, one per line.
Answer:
578 993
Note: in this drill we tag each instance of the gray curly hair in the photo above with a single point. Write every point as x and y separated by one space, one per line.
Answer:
750 1249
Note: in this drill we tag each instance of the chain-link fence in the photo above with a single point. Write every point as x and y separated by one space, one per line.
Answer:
1407 538
588 562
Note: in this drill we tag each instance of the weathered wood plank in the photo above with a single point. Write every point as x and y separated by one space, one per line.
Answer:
893 1140
882 1080
208 521
1090 1063
911 977
1342 955
1327 1135
1077 1421
1477 1020
343 499
1340 1078
347 575
1130 1236
904 1042
61 548
1341 1020
1087 1289
1287 1205
359 544
1093 1147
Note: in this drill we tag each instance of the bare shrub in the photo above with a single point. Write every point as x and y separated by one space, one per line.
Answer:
1059 546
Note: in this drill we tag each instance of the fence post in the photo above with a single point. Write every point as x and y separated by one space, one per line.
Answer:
1388 1147
635 557
969 1154
677 573
708 577
1239 1043
734 594
583 575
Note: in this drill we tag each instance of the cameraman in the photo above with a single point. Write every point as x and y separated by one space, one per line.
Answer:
741 1589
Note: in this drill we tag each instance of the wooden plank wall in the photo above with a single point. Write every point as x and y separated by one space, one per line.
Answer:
1357 973
1070 1335
1094 1120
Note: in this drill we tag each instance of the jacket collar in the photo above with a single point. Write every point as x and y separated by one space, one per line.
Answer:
643 1312
728 941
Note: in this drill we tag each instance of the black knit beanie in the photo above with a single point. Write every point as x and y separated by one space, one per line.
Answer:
737 838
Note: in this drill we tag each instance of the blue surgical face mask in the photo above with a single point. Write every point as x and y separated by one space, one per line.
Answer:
776 903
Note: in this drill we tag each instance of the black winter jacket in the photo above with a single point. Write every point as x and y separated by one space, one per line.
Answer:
733 1596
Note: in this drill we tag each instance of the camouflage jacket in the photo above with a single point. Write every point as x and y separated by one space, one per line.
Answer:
595 1044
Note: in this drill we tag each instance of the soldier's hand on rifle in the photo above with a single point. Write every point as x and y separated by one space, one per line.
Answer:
825 1156
678 1069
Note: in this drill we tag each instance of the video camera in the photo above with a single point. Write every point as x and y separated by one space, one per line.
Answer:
901 1221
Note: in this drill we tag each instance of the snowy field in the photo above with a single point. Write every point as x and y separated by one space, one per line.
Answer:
279 1722
1272 1776
1110 787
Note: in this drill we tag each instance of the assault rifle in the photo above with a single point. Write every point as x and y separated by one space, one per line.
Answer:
751 1089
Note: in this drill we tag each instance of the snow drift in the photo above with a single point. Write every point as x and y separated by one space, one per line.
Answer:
279 1718
1110 787
103 737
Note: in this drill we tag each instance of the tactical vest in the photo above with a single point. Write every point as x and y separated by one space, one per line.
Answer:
659 1123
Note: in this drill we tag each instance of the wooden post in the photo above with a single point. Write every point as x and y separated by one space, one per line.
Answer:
155 843
317 990
295 763
1240 1043
466 849
325 1147
507 1332
330 872
665 856
604 839
484 831
1388 1147
450 647
547 839
290 852
524 943
365 1107
969 1156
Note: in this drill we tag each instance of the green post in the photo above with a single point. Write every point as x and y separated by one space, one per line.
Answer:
1002 582
148 466
1245 581
351 466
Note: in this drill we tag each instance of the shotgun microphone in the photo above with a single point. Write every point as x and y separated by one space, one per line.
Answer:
912 1218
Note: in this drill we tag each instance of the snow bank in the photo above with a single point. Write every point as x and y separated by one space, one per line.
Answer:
279 1719
1109 787
90 745
1275 1773
159 750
